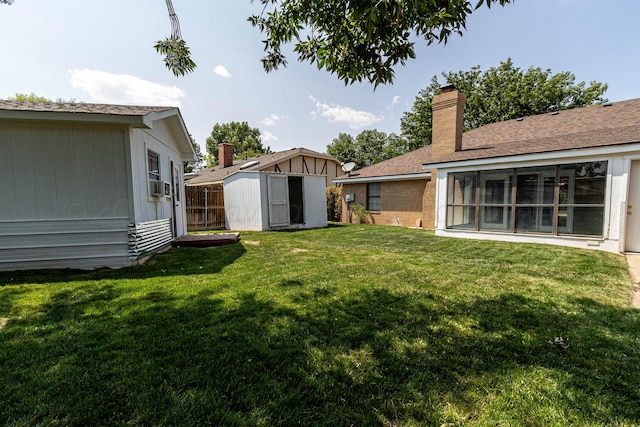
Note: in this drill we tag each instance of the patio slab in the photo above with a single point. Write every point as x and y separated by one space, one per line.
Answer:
205 240
633 262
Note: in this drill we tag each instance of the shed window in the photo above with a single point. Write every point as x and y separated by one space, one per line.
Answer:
557 200
154 165
373 196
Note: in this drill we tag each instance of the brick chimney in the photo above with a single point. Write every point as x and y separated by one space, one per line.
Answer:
225 154
446 130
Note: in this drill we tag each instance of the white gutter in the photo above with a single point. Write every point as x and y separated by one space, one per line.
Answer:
549 155
383 178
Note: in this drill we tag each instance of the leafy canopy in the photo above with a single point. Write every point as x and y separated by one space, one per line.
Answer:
368 147
245 139
500 93
358 40
355 40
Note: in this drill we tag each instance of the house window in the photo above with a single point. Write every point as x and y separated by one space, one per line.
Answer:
153 161
559 200
373 196
461 200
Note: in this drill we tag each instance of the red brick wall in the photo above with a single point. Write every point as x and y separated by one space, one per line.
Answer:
446 134
225 154
408 203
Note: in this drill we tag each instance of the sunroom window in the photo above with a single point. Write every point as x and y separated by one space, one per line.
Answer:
561 199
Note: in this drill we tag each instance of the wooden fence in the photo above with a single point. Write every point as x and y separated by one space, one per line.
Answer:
205 208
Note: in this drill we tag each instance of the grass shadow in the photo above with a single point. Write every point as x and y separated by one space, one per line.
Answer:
175 261
375 358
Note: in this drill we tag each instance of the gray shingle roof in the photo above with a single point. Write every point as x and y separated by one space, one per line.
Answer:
588 127
80 107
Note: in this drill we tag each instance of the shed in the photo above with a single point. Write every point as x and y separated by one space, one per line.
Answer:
89 185
274 201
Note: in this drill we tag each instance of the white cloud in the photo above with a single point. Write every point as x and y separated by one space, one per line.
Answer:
396 100
124 89
271 120
221 71
336 113
268 136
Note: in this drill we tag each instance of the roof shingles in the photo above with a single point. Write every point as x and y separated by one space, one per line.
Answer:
80 107
588 127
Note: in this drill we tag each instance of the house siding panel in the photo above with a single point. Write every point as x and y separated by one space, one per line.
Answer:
64 243
67 205
243 205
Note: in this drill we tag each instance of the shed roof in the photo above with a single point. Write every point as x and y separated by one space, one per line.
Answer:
218 173
594 126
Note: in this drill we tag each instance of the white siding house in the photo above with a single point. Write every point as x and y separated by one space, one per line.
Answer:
274 201
568 178
87 185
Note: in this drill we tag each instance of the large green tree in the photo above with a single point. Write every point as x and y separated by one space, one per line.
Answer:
355 40
245 139
500 93
358 40
367 148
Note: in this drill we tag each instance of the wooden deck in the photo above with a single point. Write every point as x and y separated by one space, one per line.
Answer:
205 240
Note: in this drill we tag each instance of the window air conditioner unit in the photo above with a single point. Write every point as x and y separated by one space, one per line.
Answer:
156 188
167 189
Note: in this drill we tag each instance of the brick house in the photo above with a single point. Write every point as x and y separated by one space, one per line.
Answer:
397 191
568 178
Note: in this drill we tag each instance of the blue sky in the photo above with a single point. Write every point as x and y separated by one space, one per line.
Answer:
102 51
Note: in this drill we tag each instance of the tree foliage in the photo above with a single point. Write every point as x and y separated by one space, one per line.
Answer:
355 40
500 93
245 139
32 97
177 56
358 40
368 147
194 166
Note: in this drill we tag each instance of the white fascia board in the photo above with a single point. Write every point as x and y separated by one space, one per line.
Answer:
554 155
383 178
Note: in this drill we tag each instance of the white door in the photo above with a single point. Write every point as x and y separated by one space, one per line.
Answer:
632 229
278 200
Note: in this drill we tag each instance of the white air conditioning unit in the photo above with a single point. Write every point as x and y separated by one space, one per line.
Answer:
156 188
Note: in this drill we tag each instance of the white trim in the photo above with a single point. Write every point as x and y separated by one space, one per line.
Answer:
584 242
547 156
384 178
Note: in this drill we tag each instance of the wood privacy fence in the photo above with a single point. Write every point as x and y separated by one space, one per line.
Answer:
205 208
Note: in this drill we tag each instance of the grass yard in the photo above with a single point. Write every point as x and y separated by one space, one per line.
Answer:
349 325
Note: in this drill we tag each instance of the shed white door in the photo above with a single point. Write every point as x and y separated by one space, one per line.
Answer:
632 229
278 200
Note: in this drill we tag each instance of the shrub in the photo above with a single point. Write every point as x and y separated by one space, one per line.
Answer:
361 213
334 203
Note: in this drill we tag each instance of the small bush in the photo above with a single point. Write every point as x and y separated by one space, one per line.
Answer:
334 204
361 213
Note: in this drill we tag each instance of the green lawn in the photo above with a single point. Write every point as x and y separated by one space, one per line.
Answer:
349 325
